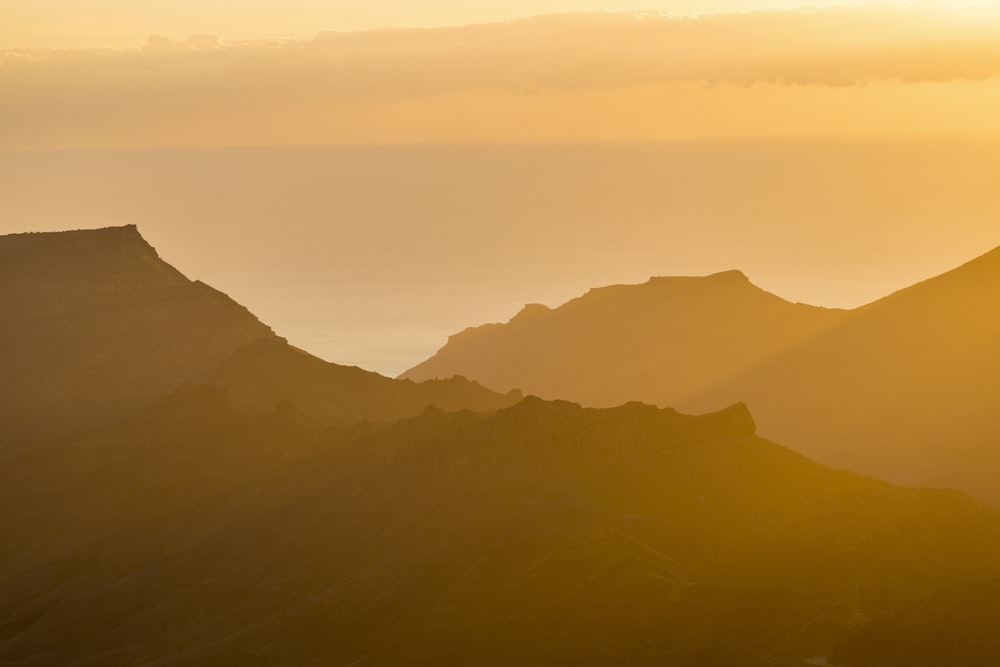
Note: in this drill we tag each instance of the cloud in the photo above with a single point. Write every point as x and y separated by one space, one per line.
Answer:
172 85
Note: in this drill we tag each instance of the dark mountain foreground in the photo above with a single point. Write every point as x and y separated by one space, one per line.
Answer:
196 533
95 326
904 389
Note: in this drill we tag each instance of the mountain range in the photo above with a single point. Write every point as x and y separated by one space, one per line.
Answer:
246 503
904 388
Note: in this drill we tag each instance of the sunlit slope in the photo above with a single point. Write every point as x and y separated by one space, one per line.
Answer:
95 326
907 389
545 534
663 342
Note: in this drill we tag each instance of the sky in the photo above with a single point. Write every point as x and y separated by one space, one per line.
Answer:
834 151
123 23
873 70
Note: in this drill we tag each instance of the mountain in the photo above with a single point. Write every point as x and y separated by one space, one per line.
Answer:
904 388
96 326
662 342
546 533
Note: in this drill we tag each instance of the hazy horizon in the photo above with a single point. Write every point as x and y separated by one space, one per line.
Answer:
372 256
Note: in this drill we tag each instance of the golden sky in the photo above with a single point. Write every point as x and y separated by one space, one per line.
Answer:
875 70
121 23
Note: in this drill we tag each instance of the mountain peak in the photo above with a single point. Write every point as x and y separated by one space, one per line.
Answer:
529 312
734 275
106 258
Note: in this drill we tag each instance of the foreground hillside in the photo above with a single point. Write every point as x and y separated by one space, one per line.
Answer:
96 326
955 626
195 533
904 389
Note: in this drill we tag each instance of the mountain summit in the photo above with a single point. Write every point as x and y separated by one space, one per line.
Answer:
109 258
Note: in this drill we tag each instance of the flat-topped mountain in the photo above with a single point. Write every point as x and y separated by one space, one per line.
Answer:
662 342
95 326
109 258
905 388
546 533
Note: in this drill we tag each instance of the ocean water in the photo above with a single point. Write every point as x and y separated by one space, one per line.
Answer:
372 256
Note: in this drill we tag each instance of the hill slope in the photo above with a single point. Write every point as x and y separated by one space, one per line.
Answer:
905 388
96 326
955 626
545 534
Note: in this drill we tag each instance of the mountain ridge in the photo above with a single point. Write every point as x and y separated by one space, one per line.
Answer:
599 331
543 533
899 388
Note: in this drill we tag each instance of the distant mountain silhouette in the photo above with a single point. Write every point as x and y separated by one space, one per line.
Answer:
545 534
96 326
662 342
905 388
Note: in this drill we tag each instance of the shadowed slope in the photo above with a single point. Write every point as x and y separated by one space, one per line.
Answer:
661 342
546 534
